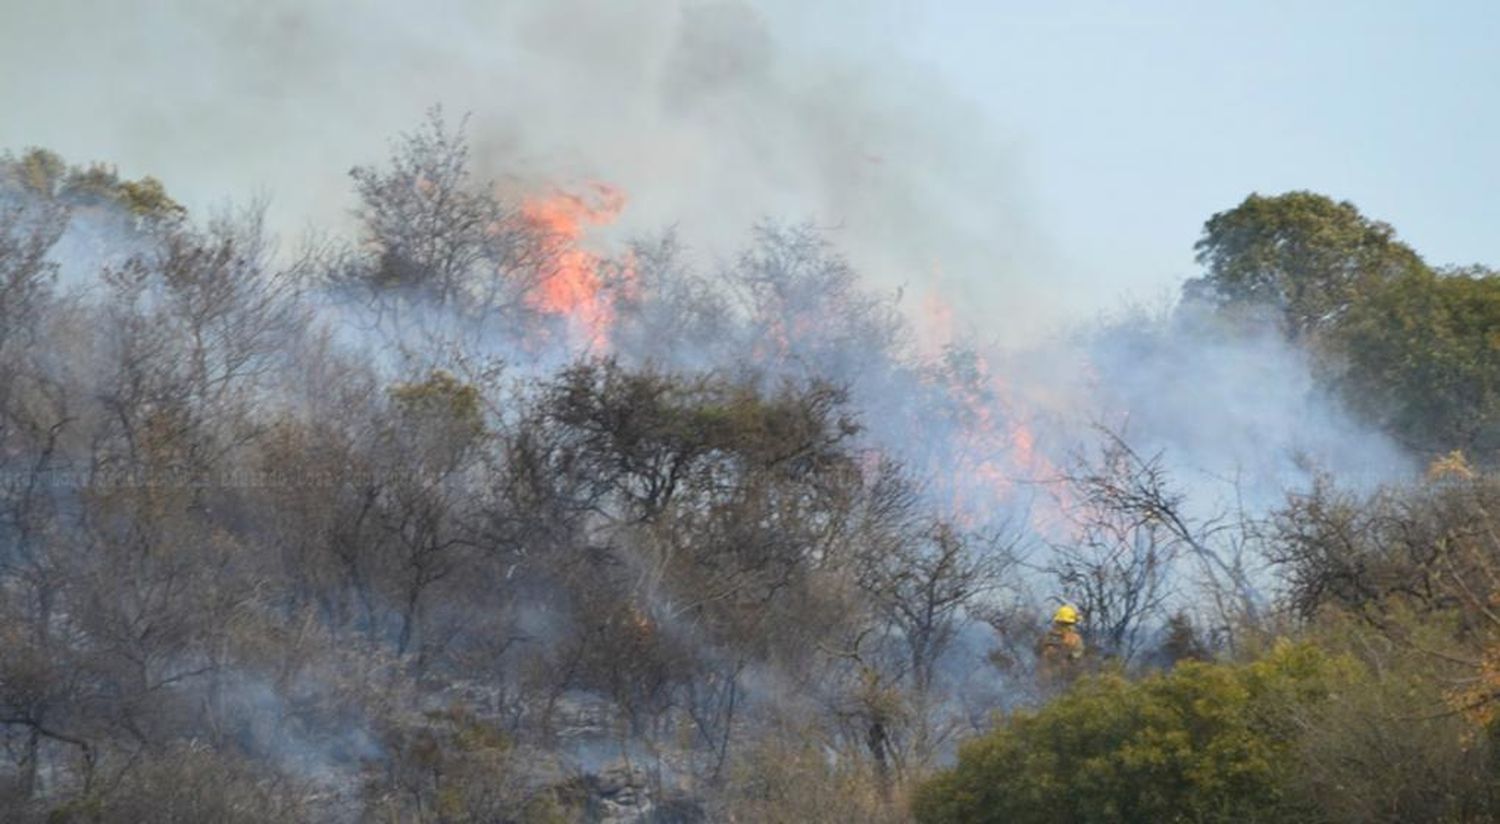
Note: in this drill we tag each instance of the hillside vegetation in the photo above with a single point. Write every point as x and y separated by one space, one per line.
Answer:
458 520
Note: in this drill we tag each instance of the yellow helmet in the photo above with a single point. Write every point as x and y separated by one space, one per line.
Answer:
1066 614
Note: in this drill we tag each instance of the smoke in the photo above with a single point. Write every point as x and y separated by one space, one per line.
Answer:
266 723
710 117
708 122
705 113
1243 408
1239 417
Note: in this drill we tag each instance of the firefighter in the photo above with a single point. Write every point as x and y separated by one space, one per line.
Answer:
1061 650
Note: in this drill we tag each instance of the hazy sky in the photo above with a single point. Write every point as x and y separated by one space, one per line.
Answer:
1132 122
1048 158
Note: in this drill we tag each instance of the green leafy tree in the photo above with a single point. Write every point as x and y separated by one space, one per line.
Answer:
1204 742
1302 255
1422 357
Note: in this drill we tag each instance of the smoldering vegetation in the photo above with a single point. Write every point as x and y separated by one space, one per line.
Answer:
465 519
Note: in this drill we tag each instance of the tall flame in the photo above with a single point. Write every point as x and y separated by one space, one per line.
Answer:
575 284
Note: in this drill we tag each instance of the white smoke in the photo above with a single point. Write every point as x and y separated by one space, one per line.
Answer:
701 111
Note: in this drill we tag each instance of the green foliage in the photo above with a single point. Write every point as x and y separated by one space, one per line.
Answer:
40 172
1301 254
1204 742
1386 751
442 411
1414 349
1423 358
147 197
1405 582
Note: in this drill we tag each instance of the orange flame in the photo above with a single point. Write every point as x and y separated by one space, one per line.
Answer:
575 282
996 447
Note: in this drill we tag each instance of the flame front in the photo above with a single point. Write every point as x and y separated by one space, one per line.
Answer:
575 283
995 447
991 447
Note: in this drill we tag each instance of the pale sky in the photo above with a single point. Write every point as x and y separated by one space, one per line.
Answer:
1075 147
1133 122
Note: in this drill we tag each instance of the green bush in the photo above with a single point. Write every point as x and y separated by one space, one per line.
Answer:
1204 742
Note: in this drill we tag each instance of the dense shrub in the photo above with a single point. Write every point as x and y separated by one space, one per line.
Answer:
1204 742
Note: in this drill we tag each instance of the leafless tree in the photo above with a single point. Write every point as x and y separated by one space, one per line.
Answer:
1133 524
